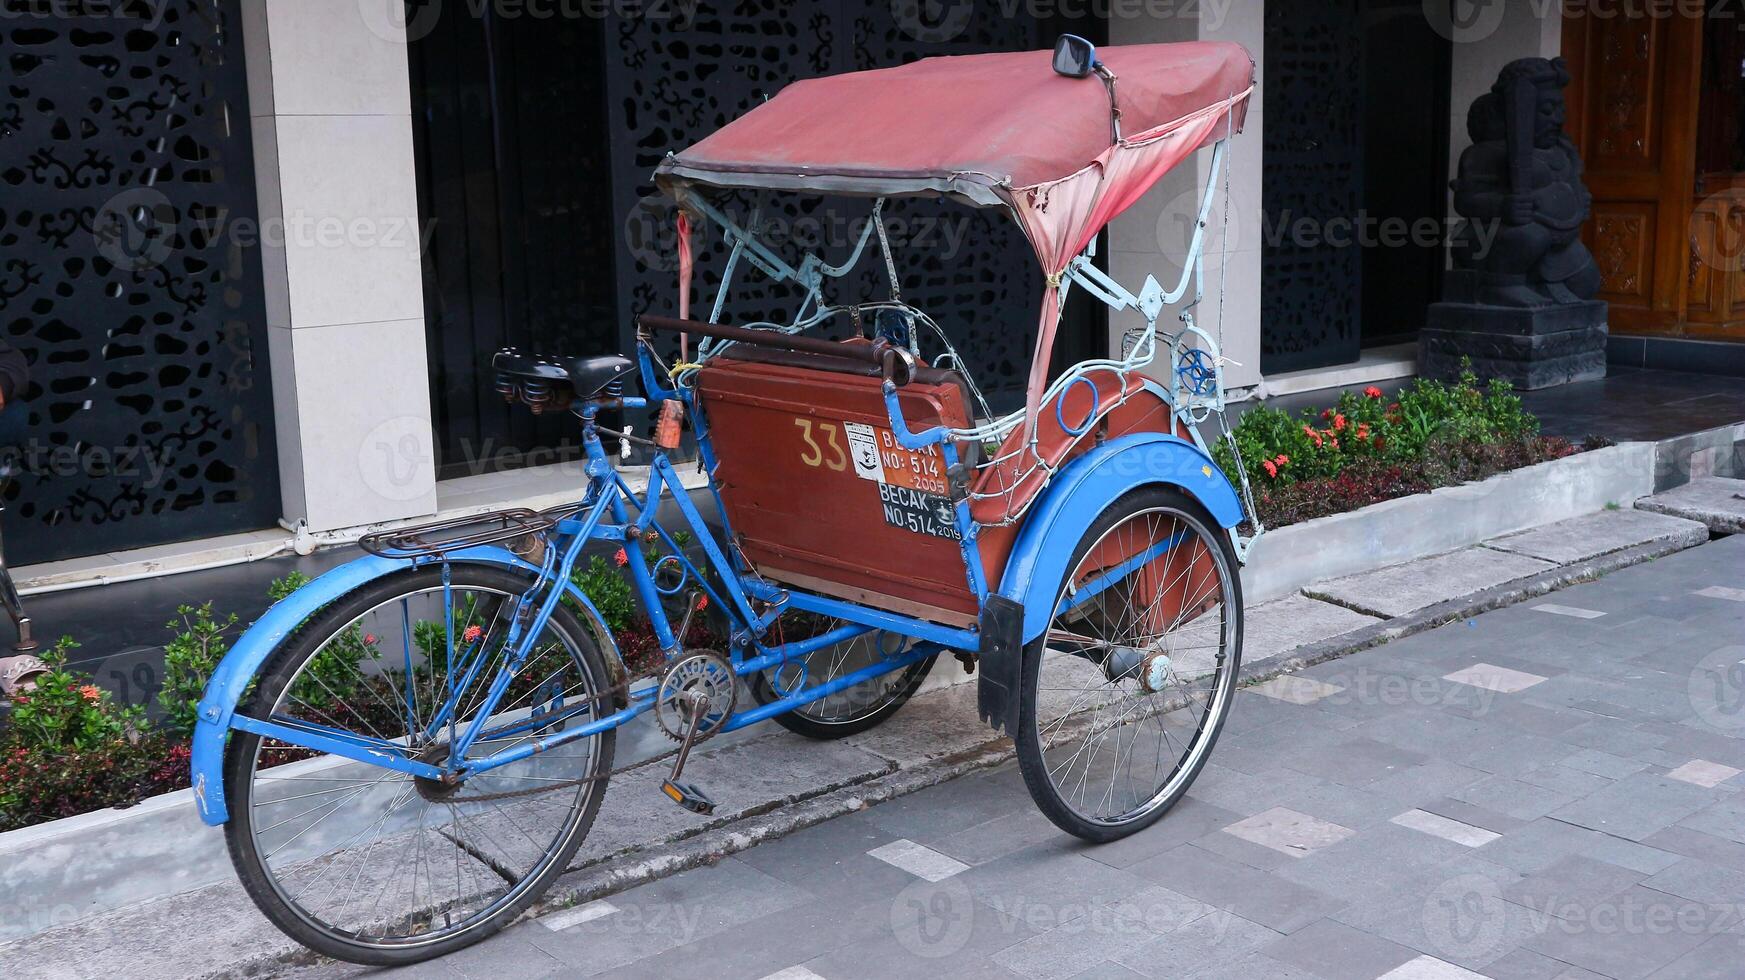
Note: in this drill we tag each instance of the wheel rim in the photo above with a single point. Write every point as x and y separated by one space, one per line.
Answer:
1117 745
854 704
376 858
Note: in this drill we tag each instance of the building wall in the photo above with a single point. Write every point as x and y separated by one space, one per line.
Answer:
328 97
1152 236
1501 33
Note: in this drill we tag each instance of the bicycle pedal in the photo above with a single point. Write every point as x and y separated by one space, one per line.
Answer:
689 796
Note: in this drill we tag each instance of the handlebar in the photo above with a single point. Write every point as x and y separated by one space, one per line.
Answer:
898 365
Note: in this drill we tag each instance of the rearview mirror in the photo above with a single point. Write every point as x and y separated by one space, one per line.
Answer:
1074 56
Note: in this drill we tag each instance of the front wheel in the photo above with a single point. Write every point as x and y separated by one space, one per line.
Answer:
371 865
1125 692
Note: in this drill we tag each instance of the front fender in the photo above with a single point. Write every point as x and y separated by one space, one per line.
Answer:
250 652
1084 489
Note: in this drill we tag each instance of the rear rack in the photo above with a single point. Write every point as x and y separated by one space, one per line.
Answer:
458 533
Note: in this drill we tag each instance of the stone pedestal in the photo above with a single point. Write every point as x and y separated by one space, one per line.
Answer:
1529 347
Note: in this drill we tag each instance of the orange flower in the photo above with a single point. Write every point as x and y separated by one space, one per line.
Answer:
1372 392
473 633
91 693
1271 468
620 559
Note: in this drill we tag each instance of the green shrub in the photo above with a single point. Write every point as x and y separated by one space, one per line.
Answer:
201 641
67 711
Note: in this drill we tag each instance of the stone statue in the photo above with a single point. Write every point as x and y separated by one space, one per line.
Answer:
1520 190
1519 302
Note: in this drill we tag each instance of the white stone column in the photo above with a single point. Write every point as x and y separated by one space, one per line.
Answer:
1152 236
340 240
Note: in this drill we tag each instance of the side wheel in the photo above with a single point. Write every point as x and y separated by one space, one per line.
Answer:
368 864
850 711
1124 694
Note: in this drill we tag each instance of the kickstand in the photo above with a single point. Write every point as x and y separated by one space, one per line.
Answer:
688 795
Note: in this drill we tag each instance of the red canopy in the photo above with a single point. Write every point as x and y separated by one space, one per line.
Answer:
987 129
976 127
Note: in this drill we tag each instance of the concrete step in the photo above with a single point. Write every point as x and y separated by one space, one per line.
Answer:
1592 535
1715 501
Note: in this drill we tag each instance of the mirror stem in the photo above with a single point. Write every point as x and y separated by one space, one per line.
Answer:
1108 78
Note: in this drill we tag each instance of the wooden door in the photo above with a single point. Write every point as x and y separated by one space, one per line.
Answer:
1633 105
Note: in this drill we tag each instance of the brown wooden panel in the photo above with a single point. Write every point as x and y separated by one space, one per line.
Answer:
1705 296
1625 93
1623 245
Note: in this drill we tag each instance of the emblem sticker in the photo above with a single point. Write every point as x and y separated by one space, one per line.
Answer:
863 449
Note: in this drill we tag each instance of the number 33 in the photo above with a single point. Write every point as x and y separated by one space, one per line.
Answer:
816 456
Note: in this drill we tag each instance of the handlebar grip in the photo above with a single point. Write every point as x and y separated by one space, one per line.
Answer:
897 364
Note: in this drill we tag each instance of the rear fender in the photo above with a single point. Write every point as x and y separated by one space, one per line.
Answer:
1084 489
249 654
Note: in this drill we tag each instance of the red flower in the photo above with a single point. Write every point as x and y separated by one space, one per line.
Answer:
620 559
1339 423
702 603
1393 408
1281 459
1363 430
91 693
1334 440
1325 415
1271 469
1372 392
473 633
1379 441
369 639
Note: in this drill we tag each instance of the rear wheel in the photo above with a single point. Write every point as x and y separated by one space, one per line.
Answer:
1125 692
368 864
850 711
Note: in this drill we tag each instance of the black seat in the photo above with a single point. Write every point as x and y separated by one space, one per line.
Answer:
591 375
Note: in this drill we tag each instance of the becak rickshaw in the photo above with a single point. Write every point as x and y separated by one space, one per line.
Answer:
408 750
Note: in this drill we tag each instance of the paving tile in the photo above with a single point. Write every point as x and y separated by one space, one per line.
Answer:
1564 781
1571 887
1295 690
1635 806
1524 964
1417 784
1065 949
1333 949
938 929
1355 762
1686 842
1429 968
1454 911
1712 500
1288 832
1700 881
1189 819
1700 772
1603 764
1722 592
587 912
1219 937
1050 881
1450 830
1543 842
1001 836
918 859
1379 858
1491 677
1574 612
1401 589
1516 798
1159 909
1626 937
1225 884
1717 959
1724 818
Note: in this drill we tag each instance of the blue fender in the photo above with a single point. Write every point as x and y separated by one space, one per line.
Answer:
1085 488
245 659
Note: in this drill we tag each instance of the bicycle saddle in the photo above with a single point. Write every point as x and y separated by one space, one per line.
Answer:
589 376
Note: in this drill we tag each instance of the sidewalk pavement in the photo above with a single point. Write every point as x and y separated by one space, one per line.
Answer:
1548 790
770 783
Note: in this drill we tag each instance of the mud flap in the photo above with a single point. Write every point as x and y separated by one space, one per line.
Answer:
1002 663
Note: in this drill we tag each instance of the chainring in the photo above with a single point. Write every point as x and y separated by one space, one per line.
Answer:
695 672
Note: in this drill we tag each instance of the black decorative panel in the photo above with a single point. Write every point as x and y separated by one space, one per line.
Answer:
1312 183
671 83
129 277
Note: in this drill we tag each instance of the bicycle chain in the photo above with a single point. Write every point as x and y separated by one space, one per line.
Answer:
622 687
